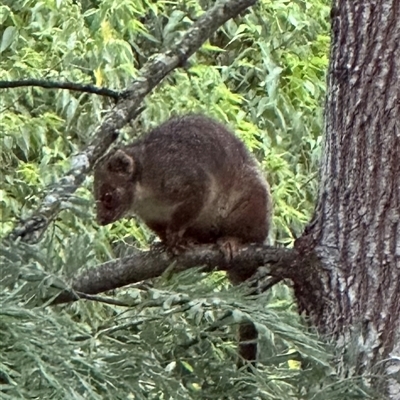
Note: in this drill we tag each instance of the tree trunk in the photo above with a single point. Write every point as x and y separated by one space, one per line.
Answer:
355 231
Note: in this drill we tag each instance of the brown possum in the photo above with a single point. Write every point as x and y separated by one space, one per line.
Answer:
190 180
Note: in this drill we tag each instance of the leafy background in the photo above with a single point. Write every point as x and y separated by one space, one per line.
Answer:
263 74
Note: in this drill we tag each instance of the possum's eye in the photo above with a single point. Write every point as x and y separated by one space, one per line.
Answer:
107 200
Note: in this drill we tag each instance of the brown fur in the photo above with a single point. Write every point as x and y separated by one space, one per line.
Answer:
189 180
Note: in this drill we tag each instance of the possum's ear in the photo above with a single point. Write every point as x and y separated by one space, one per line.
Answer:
121 163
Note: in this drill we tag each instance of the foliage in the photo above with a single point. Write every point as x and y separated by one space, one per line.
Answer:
263 74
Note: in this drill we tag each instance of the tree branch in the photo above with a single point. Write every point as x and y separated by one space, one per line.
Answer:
152 73
61 85
279 263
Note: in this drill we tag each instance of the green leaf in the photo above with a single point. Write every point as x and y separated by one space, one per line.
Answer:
8 37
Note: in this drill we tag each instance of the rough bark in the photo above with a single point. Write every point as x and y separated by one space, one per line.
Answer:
355 232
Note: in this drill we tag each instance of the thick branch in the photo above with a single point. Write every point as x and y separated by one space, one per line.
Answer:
150 75
278 262
61 85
